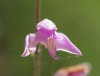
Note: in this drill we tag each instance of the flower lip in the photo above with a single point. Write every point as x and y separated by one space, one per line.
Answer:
46 24
51 47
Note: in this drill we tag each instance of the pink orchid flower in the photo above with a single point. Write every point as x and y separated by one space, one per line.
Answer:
77 70
52 40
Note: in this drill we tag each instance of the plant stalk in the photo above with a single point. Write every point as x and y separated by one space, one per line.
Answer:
37 54
37 62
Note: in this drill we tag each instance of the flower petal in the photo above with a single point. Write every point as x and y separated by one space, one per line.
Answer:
79 70
78 73
52 53
63 43
46 24
51 47
42 35
76 70
30 45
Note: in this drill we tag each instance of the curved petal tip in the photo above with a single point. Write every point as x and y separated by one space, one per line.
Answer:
63 43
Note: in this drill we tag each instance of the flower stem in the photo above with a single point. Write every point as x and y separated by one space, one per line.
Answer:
37 62
37 54
37 11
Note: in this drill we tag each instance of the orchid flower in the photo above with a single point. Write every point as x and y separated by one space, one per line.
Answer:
77 70
48 36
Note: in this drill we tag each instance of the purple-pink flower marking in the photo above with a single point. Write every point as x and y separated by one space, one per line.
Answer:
52 40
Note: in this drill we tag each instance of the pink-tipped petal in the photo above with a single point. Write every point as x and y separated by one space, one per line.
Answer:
76 70
78 73
51 47
80 70
30 45
52 53
64 44
61 73
46 24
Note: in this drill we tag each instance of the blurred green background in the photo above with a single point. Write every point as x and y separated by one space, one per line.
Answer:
78 19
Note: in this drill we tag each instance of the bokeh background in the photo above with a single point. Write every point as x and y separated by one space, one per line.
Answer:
78 19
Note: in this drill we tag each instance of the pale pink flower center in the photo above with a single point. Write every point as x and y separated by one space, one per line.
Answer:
50 44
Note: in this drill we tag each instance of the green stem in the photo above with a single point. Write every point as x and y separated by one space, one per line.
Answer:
37 62
37 11
37 54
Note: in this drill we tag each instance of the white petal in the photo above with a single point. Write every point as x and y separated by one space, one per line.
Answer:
30 45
